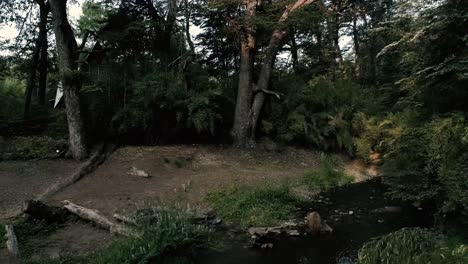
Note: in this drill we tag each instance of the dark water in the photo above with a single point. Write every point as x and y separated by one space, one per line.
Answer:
351 230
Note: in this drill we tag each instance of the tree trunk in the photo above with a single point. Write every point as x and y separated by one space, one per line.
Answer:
248 112
240 130
187 27
357 51
276 41
336 40
67 50
294 55
31 85
44 12
265 76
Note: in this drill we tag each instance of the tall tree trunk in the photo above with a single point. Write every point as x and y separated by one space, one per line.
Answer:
187 27
294 55
240 130
248 112
67 50
336 40
31 84
265 76
44 12
357 51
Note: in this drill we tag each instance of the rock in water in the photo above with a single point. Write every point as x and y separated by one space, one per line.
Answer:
314 222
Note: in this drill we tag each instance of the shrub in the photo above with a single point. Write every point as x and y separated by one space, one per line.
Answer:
319 113
254 206
326 178
12 98
162 232
162 100
415 246
428 163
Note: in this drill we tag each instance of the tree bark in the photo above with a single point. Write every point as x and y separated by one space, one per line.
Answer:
67 50
44 12
240 130
31 85
357 51
276 41
294 51
187 27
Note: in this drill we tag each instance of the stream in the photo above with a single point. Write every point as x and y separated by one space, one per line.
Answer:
352 211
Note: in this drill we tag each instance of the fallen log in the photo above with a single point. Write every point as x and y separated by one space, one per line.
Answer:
12 241
90 165
40 211
97 218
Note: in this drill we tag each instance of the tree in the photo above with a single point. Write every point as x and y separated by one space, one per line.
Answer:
67 50
39 60
251 95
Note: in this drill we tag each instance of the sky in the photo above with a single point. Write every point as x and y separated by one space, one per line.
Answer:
9 31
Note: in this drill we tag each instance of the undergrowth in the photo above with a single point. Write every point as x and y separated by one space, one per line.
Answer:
326 178
162 234
413 245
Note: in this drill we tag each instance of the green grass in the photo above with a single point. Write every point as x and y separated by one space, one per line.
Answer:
268 205
416 246
163 232
326 178
254 206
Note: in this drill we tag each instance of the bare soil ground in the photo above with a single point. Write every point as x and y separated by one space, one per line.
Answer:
179 175
23 180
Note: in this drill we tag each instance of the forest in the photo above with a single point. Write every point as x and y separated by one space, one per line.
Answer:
234 131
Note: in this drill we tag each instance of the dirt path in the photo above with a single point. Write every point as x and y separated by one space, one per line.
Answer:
23 180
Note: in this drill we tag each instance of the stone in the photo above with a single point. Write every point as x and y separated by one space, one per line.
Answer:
136 172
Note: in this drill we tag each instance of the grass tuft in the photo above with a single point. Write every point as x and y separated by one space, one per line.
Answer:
254 206
413 245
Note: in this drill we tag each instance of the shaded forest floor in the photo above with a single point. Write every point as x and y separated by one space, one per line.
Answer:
179 175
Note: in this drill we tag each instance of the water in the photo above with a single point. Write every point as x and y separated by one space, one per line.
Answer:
348 210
